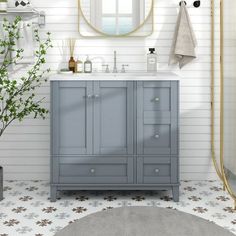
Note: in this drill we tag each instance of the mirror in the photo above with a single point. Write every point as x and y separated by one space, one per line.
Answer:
115 17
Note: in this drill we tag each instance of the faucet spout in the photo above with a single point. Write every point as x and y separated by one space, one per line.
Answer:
115 63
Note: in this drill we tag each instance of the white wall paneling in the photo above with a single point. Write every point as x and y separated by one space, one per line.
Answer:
24 149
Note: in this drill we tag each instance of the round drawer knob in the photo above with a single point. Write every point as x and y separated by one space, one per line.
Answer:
157 99
157 170
157 136
92 170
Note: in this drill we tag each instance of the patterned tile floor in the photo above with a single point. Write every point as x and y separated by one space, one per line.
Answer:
26 209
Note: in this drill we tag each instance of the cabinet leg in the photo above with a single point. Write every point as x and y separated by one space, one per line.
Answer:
175 191
53 196
1 193
1 183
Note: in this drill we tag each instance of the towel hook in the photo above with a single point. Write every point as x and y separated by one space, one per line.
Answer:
181 2
195 4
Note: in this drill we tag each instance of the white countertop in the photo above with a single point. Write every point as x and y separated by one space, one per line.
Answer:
133 76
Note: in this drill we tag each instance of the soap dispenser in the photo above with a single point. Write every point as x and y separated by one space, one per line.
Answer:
79 66
151 60
88 66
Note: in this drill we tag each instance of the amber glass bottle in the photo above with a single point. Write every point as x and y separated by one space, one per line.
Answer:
72 64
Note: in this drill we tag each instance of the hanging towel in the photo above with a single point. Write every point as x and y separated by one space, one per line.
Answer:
26 42
184 42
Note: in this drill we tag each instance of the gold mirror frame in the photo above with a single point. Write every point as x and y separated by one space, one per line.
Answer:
102 34
225 180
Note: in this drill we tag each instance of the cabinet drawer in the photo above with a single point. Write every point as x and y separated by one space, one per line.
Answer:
156 98
96 170
156 139
151 170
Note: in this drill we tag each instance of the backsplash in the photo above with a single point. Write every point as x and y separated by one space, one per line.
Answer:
25 147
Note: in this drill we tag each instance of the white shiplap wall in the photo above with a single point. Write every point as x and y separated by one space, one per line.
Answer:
24 149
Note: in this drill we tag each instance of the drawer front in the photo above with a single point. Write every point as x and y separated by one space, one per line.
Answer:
156 139
96 170
156 98
151 170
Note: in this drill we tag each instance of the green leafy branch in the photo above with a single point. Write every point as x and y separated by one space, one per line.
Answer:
17 96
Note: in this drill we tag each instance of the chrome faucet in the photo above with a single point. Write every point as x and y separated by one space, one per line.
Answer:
115 63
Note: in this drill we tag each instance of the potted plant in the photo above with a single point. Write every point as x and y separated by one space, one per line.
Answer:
17 95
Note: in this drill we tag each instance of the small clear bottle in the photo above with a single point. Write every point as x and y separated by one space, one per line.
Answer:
152 60
88 67
79 66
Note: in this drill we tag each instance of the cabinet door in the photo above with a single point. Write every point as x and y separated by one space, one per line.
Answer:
113 117
157 118
72 109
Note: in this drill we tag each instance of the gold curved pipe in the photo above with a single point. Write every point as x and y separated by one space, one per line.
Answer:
225 180
217 167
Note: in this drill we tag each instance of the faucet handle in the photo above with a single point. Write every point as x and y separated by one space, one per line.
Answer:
123 68
107 70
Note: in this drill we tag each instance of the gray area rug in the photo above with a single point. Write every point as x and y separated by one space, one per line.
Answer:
142 221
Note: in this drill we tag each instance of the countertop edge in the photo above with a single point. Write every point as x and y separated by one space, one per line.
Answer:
162 76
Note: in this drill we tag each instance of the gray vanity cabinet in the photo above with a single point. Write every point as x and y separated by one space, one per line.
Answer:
114 135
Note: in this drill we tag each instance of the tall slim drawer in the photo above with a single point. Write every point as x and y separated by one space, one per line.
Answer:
96 170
